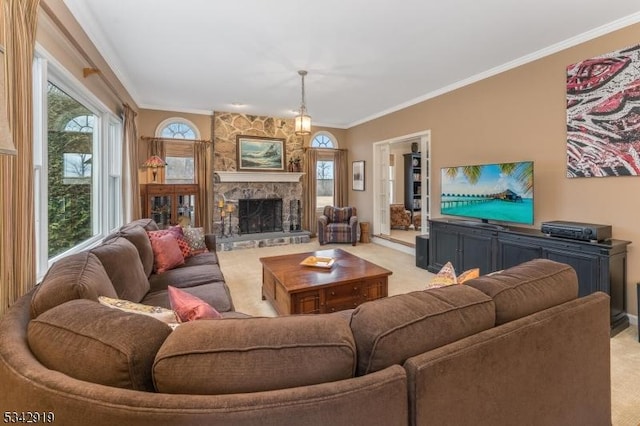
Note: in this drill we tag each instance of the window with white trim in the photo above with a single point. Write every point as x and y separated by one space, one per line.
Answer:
324 169
179 155
77 165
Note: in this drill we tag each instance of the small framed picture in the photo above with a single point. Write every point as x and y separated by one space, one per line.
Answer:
358 176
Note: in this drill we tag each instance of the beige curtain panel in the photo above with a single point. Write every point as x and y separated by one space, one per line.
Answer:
130 165
341 178
309 189
17 242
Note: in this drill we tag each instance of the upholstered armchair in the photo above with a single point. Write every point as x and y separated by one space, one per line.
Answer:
338 225
400 217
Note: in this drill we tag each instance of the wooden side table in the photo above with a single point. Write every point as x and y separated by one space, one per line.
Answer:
364 232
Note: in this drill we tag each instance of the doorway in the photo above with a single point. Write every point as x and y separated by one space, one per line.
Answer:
394 184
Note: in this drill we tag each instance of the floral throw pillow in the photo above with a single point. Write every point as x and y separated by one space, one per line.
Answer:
468 275
195 238
446 276
161 314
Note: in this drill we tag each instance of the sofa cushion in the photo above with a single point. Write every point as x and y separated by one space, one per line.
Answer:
91 342
166 253
122 263
206 258
137 235
389 331
215 293
527 288
147 223
255 354
77 276
183 277
189 307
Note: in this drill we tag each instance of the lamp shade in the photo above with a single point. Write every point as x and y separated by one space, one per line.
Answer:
302 124
154 161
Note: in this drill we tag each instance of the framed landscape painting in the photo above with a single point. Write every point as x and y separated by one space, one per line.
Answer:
258 153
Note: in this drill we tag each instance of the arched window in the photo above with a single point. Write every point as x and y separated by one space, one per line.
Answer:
324 169
81 123
178 131
179 154
323 140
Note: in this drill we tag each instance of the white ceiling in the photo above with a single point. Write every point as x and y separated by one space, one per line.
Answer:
365 57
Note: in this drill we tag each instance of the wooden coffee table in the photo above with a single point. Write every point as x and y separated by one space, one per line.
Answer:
297 289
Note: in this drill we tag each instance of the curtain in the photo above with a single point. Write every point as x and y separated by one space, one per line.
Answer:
341 178
17 241
204 177
156 147
130 164
309 190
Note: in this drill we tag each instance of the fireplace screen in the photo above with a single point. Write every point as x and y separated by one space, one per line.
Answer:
260 215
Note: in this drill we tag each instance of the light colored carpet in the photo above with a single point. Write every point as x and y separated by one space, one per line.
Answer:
243 273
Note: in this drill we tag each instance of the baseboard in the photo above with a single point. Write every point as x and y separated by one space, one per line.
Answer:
395 246
633 319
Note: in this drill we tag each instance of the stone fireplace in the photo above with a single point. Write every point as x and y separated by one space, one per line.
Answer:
259 215
266 209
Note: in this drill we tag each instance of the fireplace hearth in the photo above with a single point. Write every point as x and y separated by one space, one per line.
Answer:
259 215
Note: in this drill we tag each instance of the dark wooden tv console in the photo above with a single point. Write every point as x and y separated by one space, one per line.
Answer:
601 266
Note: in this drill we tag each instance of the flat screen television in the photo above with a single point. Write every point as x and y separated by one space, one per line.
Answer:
500 192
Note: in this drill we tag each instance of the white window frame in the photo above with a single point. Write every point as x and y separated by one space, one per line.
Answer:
163 124
327 134
107 156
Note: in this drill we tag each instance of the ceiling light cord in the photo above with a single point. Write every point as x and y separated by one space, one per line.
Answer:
303 105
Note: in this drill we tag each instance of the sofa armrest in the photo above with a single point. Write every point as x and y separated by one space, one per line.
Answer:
322 225
210 242
353 221
534 363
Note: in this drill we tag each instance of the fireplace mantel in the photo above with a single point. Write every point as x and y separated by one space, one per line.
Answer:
259 176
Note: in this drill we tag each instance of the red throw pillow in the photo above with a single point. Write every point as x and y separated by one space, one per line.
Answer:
166 253
189 307
176 231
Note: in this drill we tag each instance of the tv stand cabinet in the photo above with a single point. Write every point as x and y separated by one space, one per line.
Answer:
600 266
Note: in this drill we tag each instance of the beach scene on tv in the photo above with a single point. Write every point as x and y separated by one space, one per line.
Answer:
500 192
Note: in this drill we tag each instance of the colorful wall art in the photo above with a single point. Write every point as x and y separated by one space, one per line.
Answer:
603 115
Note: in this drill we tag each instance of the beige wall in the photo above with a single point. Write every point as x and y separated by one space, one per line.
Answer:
518 115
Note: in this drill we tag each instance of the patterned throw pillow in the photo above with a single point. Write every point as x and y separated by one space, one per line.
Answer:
166 253
468 275
189 307
162 314
177 232
195 238
446 276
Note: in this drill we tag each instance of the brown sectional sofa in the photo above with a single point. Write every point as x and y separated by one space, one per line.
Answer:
517 347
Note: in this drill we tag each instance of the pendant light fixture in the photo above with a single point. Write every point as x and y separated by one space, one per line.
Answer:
302 123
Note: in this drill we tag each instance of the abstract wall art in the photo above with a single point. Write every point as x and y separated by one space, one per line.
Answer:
603 115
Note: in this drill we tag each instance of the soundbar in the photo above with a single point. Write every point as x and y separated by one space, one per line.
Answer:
576 230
